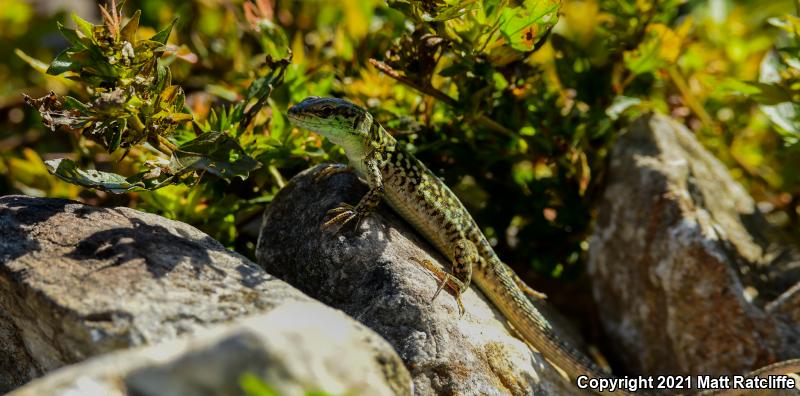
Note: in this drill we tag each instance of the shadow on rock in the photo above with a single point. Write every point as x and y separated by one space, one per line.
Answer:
160 249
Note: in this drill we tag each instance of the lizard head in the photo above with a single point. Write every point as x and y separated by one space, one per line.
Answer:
337 119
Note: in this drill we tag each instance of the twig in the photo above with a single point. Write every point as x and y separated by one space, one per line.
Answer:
690 100
164 145
276 174
428 90
431 91
495 126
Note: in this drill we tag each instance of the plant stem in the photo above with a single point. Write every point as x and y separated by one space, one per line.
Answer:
276 174
428 90
690 99
163 145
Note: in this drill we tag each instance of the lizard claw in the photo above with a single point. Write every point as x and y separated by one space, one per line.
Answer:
457 294
445 279
342 208
330 170
343 215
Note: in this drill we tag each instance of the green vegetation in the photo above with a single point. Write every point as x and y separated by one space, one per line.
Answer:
252 385
514 103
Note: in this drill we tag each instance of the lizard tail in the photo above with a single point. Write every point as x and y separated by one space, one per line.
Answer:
530 323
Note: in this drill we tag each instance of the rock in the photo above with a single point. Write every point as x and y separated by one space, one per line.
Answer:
295 348
16 365
368 274
687 274
78 281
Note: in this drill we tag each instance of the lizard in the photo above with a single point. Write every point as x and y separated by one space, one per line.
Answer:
395 176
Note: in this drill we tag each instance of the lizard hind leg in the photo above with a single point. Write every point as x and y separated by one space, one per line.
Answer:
531 292
464 256
445 279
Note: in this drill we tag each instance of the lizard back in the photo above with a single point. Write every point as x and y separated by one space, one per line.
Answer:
423 200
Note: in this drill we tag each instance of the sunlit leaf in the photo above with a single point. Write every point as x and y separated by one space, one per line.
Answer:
216 153
525 25
72 36
660 47
72 103
784 113
67 170
128 32
163 35
254 386
38 65
85 28
620 104
451 12
61 64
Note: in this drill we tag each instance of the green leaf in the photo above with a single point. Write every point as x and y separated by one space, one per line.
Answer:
278 122
128 32
733 86
66 170
770 93
72 103
254 386
72 36
525 25
61 64
490 7
644 59
84 27
115 136
789 23
452 12
619 105
163 77
274 40
163 35
38 65
786 114
215 153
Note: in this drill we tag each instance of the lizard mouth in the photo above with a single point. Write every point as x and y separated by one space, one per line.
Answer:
304 121
314 124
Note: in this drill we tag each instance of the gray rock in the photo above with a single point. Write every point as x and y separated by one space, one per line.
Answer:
295 348
368 274
687 274
78 281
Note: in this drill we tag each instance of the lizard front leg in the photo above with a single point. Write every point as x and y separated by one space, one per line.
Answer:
464 256
345 213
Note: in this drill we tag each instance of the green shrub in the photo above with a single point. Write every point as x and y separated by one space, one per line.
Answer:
514 103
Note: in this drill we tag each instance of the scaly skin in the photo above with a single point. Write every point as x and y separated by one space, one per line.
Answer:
422 199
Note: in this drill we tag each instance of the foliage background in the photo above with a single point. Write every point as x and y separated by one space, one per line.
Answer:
521 135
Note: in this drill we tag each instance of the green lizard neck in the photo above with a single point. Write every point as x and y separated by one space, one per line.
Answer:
376 140
380 139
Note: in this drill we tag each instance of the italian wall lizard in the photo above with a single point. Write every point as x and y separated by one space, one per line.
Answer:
410 188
